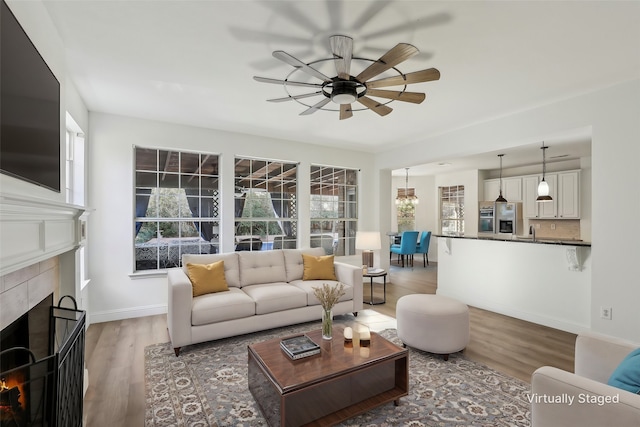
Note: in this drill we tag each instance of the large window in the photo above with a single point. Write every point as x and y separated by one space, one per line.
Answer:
176 206
452 209
265 204
334 209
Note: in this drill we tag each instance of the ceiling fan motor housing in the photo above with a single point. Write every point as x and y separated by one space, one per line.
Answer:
344 91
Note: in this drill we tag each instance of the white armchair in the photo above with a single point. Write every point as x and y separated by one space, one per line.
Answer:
583 398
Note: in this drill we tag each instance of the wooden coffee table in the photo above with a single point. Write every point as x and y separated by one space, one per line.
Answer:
328 388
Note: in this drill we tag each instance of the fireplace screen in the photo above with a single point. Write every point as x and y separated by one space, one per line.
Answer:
43 391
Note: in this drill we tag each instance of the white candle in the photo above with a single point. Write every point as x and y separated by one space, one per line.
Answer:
365 334
348 333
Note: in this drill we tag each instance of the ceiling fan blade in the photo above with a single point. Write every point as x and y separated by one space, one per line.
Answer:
342 49
415 77
315 107
296 63
401 52
345 111
285 82
413 97
375 106
289 98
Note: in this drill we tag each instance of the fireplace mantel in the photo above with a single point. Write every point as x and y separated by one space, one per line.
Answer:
33 230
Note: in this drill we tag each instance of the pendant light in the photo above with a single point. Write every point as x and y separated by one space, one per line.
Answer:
408 196
501 199
543 187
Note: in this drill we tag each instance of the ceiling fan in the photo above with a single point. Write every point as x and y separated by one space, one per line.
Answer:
345 89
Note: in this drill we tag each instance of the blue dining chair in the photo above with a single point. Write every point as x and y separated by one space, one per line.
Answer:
423 247
407 246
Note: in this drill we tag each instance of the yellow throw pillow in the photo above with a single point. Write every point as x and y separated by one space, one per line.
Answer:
318 267
207 278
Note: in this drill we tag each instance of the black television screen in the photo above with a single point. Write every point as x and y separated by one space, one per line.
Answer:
29 108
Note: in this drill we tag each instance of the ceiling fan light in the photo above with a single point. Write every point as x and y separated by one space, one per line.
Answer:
344 92
343 98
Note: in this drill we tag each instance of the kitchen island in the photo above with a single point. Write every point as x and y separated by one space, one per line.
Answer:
544 281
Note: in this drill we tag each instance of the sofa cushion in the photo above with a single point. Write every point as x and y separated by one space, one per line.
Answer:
627 374
293 261
318 267
207 278
261 267
221 306
308 285
272 297
231 265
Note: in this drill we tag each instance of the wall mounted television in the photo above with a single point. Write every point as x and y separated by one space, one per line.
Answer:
29 108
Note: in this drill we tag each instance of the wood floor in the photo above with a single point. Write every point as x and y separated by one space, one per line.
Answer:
115 350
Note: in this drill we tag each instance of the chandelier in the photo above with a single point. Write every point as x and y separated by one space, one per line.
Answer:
406 196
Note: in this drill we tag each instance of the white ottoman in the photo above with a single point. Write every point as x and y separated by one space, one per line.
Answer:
433 323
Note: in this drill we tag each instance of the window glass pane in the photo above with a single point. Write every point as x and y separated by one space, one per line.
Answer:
189 162
146 159
209 165
146 179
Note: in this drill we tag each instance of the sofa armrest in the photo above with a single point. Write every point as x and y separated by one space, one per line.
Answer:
597 356
179 307
351 275
580 401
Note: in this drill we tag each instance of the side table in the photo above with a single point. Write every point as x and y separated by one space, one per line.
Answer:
372 300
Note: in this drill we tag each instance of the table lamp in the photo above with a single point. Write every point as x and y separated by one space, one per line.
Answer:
368 241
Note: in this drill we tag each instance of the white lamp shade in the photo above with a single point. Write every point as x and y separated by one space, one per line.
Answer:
543 188
368 240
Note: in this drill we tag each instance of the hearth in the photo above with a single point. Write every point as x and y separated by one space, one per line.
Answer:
42 367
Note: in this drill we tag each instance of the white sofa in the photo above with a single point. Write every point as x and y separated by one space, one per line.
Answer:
596 357
266 291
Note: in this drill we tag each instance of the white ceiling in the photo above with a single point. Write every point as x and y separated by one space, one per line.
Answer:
192 62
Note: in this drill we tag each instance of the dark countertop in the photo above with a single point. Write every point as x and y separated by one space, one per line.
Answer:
520 239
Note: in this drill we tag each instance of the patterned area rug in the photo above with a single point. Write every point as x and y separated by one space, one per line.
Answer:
207 386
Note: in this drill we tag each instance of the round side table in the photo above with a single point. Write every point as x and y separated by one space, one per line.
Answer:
372 300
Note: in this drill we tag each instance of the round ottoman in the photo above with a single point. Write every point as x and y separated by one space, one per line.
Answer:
433 323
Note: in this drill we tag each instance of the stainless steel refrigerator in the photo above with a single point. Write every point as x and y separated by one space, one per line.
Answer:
508 218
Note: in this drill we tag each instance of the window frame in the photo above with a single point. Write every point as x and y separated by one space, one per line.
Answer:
452 194
333 208
276 225
195 216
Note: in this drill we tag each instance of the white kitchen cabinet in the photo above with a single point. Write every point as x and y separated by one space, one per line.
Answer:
530 192
564 189
511 189
569 195
491 189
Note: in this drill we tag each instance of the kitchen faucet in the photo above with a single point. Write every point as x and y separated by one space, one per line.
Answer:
532 231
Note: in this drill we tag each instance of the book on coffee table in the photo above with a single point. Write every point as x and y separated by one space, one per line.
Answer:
299 346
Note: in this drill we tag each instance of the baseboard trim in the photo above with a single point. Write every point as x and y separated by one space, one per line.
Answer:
127 313
561 324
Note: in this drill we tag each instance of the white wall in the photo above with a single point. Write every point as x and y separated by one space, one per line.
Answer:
116 293
613 115
504 278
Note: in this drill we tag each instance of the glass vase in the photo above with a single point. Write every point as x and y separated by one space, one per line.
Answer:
327 324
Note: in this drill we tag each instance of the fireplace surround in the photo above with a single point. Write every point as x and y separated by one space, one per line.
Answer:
39 241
